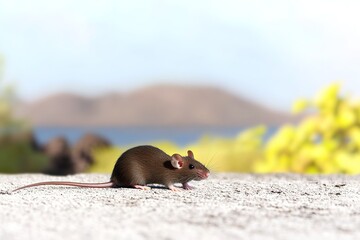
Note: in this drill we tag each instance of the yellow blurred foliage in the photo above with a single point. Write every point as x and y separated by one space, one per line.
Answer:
325 141
328 141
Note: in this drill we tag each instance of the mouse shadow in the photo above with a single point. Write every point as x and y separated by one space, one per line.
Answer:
159 186
152 186
156 186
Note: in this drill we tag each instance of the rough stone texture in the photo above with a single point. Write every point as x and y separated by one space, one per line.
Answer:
227 206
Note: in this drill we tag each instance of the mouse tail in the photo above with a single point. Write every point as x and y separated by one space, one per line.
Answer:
74 184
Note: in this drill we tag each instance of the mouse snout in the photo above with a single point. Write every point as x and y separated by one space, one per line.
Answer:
203 174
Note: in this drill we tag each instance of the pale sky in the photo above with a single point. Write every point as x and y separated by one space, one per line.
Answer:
270 51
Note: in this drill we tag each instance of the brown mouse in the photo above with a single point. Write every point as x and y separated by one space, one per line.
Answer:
144 165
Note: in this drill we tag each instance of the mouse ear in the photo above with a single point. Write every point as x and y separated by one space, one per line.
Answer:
177 161
190 154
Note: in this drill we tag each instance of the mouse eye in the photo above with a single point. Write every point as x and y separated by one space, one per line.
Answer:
191 166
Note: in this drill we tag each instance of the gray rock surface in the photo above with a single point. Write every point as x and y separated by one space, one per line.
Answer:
226 206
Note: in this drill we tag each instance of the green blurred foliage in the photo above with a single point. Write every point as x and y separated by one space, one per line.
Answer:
16 151
6 94
327 140
19 157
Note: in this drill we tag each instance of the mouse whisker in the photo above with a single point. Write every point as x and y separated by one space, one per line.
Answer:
186 179
215 165
208 164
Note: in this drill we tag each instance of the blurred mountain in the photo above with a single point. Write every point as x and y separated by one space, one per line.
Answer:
160 105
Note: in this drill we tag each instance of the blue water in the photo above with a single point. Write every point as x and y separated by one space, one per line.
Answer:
139 135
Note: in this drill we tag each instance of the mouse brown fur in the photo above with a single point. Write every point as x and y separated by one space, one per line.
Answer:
144 165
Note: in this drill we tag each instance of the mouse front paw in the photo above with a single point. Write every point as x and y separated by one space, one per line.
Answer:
174 189
186 186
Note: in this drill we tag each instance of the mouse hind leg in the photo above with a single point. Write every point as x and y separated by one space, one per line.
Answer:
139 183
133 177
142 187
